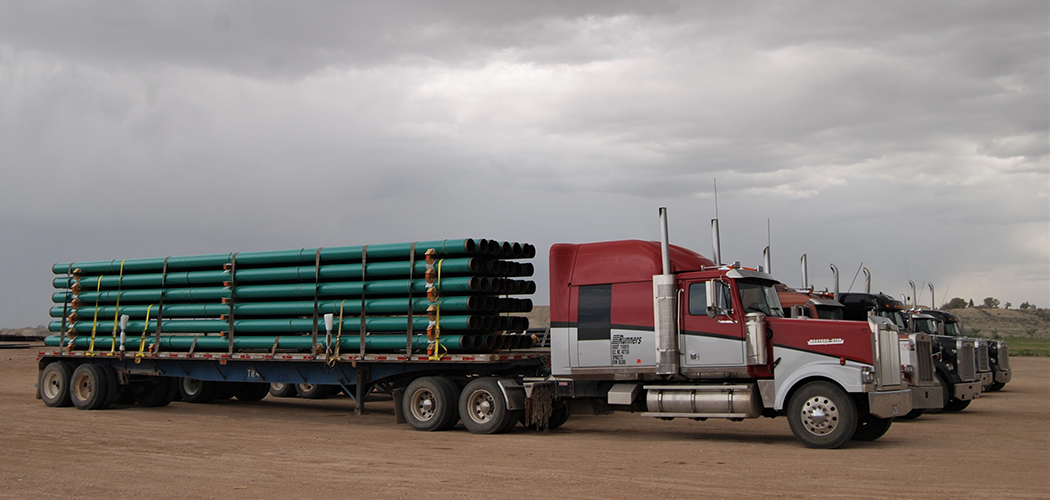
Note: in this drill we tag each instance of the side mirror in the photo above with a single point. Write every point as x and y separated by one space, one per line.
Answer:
716 293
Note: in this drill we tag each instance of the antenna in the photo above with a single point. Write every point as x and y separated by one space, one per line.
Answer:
855 277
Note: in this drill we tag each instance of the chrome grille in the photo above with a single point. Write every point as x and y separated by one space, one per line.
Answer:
924 359
982 357
1004 356
889 357
966 364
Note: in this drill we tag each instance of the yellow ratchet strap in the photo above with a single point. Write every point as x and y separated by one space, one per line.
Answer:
437 354
116 310
142 341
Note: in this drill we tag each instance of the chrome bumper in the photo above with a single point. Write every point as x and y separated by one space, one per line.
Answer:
1003 376
889 404
927 398
967 390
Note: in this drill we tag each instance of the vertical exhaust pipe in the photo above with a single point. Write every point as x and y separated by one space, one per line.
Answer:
933 303
835 272
767 259
716 243
665 295
867 280
914 300
805 272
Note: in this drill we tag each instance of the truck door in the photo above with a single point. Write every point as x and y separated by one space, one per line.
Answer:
705 341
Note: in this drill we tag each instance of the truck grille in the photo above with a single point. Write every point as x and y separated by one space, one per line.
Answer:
889 357
1004 356
923 360
967 365
982 357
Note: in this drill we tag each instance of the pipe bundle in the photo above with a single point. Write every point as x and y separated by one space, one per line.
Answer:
443 295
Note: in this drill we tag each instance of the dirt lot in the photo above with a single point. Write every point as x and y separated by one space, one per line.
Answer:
289 448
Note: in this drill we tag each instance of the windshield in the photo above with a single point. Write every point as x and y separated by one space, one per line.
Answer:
925 325
829 312
759 296
952 329
896 317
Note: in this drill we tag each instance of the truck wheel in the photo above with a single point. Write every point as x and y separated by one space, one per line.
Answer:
452 393
113 388
155 394
871 428
912 415
428 404
196 391
54 384
312 391
87 387
251 391
224 390
822 415
279 390
484 409
956 405
996 386
559 415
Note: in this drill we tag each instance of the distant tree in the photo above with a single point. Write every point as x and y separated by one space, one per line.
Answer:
991 303
971 303
956 303
1025 305
1007 306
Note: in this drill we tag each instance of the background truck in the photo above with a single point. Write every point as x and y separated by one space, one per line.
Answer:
993 356
636 326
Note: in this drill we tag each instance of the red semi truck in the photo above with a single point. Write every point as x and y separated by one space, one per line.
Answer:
636 326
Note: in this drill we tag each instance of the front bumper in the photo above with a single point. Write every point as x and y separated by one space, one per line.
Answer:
927 398
889 404
986 379
1003 376
967 390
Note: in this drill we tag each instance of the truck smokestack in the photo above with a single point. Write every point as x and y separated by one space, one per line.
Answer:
835 272
914 297
767 260
665 244
805 272
867 280
716 244
933 302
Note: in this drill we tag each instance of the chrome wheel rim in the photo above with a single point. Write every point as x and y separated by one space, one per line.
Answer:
820 415
481 406
423 405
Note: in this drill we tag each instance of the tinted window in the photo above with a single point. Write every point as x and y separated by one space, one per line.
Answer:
594 313
698 299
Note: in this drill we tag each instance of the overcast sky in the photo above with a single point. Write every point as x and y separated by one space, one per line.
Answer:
910 137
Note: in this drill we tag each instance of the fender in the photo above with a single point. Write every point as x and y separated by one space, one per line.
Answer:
796 366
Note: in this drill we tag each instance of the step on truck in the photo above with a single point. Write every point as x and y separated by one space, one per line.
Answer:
636 326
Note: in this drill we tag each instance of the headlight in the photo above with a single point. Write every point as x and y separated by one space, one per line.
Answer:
950 367
867 375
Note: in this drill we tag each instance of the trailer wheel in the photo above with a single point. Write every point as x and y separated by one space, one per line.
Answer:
312 391
956 405
113 388
196 391
871 428
224 390
484 409
822 415
452 393
157 394
279 390
251 391
87 387
428 404
54 384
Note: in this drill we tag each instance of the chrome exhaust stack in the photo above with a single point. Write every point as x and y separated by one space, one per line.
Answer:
805 272
867 281
716 243
835 272
767 259
665 297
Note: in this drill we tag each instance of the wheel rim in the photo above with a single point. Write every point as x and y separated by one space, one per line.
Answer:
481 406
82 387
306 387
278 386
820 415
191 385
423 405
52 385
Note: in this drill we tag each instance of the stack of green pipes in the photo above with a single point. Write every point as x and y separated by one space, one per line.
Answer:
452 292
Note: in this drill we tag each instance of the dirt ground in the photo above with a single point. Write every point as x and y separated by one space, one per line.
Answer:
999 447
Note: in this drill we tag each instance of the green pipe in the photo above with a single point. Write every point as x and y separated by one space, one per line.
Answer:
400 251
302 274
447 286
296 325
302 308
456 343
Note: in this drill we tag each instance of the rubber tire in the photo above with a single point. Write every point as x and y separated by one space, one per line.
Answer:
559 415
452 392
153 395
113 387
88 387
483 408
996 386
196 391
251 391
870 428
830 395
312 391
912 415
278 390
54 384
956 405
225 390
428 404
